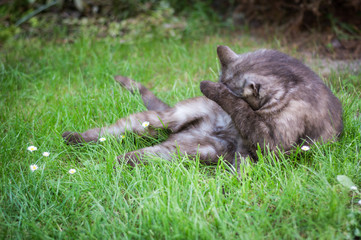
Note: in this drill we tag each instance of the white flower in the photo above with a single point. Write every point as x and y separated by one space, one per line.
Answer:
102 139
33 167
359 202
353 188
305 148
145 124
72 171
46 154
32 148
122 137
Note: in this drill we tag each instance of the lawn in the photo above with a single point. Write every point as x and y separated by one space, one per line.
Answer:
48 87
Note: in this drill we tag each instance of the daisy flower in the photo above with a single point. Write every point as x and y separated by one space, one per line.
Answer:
305 148
46 154
33 167
32 148
353 188
72 171
102 139
122 137
359 202
145 124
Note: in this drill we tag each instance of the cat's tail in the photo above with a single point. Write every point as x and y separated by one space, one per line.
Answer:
149 99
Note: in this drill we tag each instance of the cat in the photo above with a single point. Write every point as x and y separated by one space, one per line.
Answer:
198 126
274 100
264 99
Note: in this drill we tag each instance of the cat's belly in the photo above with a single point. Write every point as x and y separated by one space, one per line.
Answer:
219 125
212 122
227 134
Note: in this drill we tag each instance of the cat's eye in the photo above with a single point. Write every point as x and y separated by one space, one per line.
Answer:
255 87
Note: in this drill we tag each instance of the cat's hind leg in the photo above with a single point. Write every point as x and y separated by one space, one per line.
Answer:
174 119
92 135
149 99
206 148
140 123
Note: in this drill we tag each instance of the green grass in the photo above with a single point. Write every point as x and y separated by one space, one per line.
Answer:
51 87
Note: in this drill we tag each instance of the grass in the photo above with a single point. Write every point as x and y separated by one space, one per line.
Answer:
51 87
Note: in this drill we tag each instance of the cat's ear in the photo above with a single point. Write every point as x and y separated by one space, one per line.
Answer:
226 55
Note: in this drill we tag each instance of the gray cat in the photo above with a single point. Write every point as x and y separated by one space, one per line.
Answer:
263 98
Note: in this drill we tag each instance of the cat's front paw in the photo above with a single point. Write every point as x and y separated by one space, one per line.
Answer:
72 137
212 90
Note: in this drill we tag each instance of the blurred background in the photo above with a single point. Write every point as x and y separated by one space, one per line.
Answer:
332 28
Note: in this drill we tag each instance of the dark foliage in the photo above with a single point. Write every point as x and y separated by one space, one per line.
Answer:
338 22
296 15
291 15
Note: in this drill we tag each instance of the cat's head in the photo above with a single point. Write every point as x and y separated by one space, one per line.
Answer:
261 78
